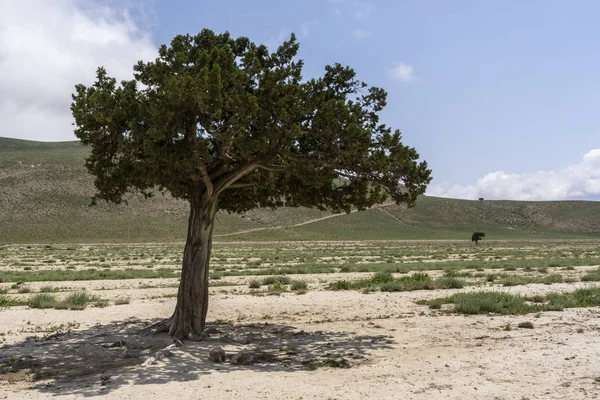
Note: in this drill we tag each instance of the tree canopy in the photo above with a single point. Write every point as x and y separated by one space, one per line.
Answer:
226 118
226 124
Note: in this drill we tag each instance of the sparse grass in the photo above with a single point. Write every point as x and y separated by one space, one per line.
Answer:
511 304
48 289
121 300
298 285
484 303
8 301
74 301
271 280
88 275
387 283
254 284
43 300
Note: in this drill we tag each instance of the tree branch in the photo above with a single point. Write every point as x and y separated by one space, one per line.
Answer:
206 179
240 185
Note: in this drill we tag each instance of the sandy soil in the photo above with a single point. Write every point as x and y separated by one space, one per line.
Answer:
395 349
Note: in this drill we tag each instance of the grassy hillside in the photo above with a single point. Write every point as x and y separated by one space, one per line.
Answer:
45 194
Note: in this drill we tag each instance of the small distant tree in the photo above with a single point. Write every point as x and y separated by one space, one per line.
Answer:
481 199
225 124
477 236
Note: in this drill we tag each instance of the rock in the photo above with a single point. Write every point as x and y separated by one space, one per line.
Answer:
104 379
149 361
119 343
26 362
159 355
217 354
178 343
242 358
128 354
6 360
242 340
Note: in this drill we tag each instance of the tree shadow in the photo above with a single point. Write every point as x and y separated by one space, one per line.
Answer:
98 360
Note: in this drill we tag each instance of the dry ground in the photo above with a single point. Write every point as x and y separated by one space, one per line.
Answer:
393 347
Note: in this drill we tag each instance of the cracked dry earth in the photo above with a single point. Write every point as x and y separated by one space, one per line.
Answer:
322 345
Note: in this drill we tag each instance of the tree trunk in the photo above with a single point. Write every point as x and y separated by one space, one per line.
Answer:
189 318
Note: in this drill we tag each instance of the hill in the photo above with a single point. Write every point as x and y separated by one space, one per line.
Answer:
45 193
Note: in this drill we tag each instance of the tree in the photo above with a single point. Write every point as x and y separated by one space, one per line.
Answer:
477 236
228 125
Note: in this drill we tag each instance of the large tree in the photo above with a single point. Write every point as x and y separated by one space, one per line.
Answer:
228 125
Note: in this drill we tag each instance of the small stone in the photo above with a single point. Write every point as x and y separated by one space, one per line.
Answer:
242 340
178 343
217 354
149 361
242 358
159 355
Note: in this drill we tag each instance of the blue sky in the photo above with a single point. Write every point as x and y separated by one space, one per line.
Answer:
499 97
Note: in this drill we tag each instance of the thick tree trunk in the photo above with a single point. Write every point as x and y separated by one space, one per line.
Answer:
189 318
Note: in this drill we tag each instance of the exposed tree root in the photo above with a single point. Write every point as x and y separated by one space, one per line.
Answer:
157 327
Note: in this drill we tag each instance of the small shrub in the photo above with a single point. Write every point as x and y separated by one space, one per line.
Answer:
43 300
382 277
24 289
507 327
270 280
48 289
339 285
254 284
299 285
121 300
525 325
277 288
76 301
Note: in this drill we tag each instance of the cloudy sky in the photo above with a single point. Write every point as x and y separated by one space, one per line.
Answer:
501 98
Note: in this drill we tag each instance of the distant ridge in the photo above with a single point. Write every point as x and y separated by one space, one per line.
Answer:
45 193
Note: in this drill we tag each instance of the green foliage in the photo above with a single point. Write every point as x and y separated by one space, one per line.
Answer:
43 300
7 301
213 113
254 284
298 285
510 304
484 303
526 325
282 280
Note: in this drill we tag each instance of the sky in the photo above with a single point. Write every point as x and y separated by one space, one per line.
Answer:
501 98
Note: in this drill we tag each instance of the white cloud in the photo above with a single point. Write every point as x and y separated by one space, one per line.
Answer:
46 48
362 34
274 42
577 181
305 30
402 72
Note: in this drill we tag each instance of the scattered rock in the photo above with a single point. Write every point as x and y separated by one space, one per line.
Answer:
217 354
242 358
